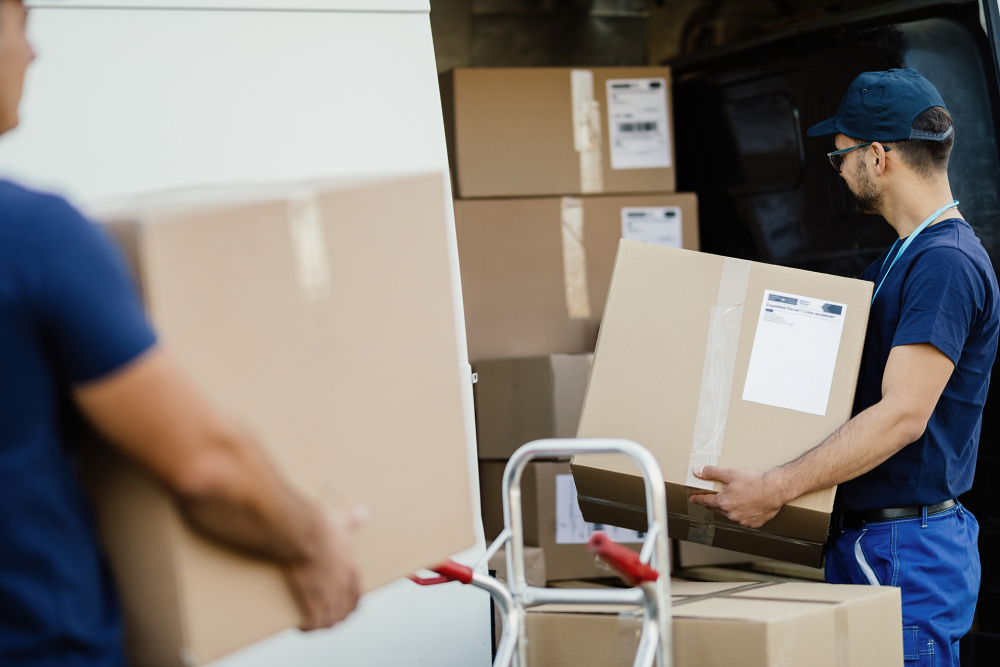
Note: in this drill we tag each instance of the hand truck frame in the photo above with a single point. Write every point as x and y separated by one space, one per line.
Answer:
642 571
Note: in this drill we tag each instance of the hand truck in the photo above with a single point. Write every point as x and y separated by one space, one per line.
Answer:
641 571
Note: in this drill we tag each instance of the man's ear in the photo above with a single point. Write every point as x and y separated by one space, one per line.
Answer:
877 157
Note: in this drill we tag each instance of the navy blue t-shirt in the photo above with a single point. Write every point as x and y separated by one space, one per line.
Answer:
69 314
942 291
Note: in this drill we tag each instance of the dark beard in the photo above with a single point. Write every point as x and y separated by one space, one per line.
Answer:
867 200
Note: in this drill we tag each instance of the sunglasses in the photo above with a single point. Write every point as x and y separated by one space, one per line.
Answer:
836 158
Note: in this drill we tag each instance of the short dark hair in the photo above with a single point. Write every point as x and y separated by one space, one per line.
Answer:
923 156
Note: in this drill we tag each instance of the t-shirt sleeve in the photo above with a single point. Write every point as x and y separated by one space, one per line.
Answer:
942 298
80 290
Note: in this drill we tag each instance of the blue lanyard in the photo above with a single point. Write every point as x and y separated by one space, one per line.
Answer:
906 244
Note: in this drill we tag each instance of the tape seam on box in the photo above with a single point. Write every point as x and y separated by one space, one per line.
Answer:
702 528
574 258
309 245
587 138
718 370
735 528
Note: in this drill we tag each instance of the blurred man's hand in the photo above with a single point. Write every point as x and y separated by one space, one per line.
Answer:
328 584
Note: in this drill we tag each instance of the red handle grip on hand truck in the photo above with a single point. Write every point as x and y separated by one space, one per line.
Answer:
622 560
449 571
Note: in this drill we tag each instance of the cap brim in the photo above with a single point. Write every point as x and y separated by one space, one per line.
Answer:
828 126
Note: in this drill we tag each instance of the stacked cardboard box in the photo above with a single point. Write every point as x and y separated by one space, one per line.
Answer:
551 167
725 624
289 309
712 360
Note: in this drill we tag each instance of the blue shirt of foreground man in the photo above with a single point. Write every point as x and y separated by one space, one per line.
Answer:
73 340
910 448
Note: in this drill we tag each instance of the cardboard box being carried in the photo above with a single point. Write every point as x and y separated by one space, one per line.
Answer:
334 343
535 272
520 400
722 625
552 518
712 360
559 131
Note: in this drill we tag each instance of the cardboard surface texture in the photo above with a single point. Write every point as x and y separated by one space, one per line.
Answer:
333 341
539 502
546 131
682 332
721 625
535 272
534 566
520 400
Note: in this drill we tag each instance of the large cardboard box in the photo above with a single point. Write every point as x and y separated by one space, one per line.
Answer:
333 340
535 272
520 400
721 625
712 360
559 131
552 519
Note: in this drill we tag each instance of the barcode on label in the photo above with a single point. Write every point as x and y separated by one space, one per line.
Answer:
637 127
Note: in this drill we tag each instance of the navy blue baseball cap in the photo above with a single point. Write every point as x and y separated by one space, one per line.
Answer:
881 106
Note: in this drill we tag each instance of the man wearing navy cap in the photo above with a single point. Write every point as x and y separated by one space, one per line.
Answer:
910 449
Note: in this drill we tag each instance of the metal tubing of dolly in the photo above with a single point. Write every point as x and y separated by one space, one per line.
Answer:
656 510
533 597
509 616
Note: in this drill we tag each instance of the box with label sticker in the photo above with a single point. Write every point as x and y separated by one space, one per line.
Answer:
552 518
535 272
713 360
559 131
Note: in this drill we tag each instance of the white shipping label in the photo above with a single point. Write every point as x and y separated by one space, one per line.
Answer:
794 352
570 526
653 224
637 120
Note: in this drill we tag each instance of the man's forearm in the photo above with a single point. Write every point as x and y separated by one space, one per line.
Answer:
858 446
237 498
222 480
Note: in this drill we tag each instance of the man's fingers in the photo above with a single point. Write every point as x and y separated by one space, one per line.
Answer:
709 500
714 473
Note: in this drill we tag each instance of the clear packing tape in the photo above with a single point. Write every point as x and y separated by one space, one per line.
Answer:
574 258
587 137
309 244
699 525
719 367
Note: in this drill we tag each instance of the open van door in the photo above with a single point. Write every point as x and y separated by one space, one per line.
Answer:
766 192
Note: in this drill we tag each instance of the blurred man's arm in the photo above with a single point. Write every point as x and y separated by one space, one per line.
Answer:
915 376
223 482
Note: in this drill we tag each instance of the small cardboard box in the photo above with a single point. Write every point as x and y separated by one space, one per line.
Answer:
535 272
721 625
712 360
559 131
520 400
334 342
552 518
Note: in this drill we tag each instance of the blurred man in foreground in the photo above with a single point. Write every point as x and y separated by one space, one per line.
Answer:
74 339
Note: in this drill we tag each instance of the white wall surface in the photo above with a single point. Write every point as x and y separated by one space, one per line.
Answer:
130 100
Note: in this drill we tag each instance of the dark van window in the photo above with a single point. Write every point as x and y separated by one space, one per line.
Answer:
767 137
